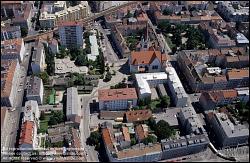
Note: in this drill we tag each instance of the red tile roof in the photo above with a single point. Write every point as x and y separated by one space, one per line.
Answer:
238 73
27 133
146 57
140 132
138 115
117 94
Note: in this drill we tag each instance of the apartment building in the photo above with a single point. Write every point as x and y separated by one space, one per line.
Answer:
137 115
243 94
12 49
117 99
4 126
209 100
147 61
51 20
28 140
10 32
136 153
228 130
71 35
190 121
8 8
238 78
35 90
73 109
9 82
23 18
199 5
184 145
38 58
141 132
94 48
31 112
196 66
234 11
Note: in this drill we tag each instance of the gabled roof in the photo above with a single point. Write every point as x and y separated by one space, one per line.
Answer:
146 57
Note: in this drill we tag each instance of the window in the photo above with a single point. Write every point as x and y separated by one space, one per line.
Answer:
155 67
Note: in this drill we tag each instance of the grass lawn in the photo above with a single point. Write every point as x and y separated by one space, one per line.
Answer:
44 124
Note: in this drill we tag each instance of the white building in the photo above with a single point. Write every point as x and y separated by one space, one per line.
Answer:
35 90
31 112
71 35
38 58
145 81
177 91
229 131
13 49
94 48
243 94
117 99
73 105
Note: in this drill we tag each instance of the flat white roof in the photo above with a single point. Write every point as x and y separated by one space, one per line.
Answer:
241 39
142 79
94 48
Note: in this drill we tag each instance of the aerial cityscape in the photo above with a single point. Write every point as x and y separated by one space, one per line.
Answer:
125 81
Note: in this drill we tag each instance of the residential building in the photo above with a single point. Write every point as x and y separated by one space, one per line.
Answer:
73 109
10 32
147 61
8 8
234 11
111 115
71 35
31 112
53 46
177 90
137 115
199 5
23 18
210 100
94 48
229 132
190 121
38 58
28 140
117 99
9 82
238 78
12 49
141 132
4 126
35 90
51 19
184 145
136 153
196 66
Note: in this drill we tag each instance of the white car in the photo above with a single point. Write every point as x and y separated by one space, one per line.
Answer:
19 90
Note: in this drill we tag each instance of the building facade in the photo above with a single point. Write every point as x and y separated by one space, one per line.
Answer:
71 35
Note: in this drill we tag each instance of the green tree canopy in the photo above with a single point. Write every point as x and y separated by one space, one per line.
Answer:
94 138
149 139
165 101
163 130
167 11
81 60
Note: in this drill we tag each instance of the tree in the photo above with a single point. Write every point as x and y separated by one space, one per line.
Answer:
94 138
52 121
44 76
24 32
133 141
108 77
42 116
165 101
129 14
152 123
163 130
149 139
167 12
79 80
81 60
165 26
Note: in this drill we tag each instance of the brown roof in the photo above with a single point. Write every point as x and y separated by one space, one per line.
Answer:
10 2
126 133
106 137
138 115
117 94
26 133
238 73
68 23
138 151
111 114
232 59
12 46
140 132
146 57
7 76
222 94
76 140
220 78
